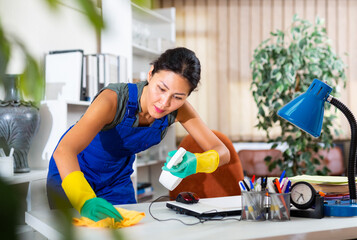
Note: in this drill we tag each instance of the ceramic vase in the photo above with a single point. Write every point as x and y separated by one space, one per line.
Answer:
19 122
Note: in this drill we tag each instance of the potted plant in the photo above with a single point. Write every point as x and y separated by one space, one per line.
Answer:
283 67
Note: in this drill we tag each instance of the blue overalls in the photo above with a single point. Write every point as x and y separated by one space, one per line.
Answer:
107 161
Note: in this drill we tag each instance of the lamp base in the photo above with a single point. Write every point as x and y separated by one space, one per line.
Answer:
338 208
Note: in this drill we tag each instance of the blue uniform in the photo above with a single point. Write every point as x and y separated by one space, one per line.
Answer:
107 161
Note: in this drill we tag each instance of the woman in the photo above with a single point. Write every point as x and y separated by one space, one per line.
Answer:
92 163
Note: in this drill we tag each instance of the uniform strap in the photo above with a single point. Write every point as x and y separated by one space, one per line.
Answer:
132 105
161 123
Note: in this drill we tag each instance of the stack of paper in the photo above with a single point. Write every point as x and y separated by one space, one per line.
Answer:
330 185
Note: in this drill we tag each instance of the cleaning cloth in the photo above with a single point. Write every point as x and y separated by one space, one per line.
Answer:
129 218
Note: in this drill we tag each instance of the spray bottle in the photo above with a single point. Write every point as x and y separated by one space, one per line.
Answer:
166 178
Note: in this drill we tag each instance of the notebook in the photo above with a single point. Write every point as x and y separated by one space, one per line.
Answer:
209 207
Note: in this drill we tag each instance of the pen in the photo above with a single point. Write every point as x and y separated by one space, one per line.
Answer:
264 182
241 185
282 201
277 185
274 208
287 188
282 176
248 201
251 185
270 186
243 189
283 183
257 183
253 178
246 185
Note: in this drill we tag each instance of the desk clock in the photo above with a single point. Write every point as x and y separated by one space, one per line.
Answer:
307 201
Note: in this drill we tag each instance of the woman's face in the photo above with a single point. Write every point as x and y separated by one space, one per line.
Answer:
167 91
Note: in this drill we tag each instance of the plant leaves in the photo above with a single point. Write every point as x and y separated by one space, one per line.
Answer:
286 72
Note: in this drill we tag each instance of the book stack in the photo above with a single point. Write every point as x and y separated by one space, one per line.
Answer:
144 191
335 187
101 70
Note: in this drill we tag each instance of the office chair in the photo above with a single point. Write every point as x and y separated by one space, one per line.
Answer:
253 161
220 183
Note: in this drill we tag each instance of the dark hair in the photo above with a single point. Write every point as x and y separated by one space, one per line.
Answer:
181 61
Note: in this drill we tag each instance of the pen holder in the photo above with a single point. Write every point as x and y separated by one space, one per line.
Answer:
6 166
279 209
253 206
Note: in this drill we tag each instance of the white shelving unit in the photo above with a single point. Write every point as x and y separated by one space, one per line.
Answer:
154 16
153 32
24 182
79 103
26 177
149 163
20 178
144 51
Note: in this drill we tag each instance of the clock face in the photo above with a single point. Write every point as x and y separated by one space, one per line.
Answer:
302 195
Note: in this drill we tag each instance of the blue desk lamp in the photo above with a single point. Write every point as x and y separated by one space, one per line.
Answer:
306 112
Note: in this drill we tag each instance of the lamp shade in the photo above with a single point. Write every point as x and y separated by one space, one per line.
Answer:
307 111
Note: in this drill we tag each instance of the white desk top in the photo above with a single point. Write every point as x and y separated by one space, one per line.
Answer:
148 228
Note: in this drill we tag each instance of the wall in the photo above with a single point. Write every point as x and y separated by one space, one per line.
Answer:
224 34
42 29
116 37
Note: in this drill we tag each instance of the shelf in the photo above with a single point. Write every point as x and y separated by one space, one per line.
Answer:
26 177
81 103
143 51
142 163
69 102
147 15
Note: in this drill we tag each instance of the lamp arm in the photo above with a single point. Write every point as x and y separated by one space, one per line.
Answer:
351 172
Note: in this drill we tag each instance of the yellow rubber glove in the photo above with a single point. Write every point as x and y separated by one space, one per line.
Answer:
83 198
207 162
193 163
77 189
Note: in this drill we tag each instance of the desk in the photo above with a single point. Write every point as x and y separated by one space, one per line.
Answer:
298 228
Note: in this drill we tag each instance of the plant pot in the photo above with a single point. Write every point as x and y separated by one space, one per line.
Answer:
19 122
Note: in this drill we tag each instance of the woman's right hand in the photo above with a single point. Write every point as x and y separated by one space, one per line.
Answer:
83 198
98 209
